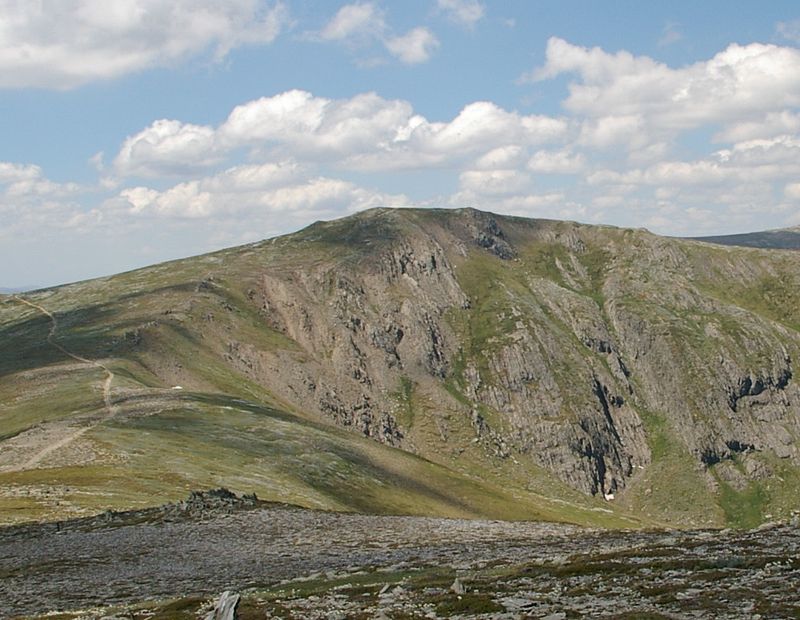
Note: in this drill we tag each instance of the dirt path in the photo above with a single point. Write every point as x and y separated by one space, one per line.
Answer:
110 409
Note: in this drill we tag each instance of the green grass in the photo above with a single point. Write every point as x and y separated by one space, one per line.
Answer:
745 508
214 441
468 603
671 489
405 402
54 394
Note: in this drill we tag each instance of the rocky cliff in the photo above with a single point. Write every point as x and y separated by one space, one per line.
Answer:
568 344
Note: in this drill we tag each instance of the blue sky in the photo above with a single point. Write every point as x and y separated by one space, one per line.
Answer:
137 131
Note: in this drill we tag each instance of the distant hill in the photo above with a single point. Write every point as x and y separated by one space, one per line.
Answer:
783 239
442 362
16 289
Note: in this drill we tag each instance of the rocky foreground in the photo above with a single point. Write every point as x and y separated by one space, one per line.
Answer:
287 562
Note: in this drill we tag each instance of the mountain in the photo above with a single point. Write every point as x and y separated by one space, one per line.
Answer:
782 239
17 289
442 362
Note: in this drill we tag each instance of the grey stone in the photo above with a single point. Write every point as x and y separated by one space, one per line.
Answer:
225 608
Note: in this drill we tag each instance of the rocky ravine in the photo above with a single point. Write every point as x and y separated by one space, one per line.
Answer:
549 340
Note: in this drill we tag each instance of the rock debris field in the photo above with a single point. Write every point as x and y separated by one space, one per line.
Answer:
287 562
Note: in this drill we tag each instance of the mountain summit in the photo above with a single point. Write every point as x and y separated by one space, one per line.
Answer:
448 362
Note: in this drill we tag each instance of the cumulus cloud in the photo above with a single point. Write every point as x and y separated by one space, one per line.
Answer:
354 20
483 123
12 173
614 130
765 126
557 162
637 132
633 139
735 83
728 190
414 47
22 181
260 191
463 12
66 43
316 126
364 133
749 161
361 24
509 156
495 182
31 204
292 137
620 163
166 148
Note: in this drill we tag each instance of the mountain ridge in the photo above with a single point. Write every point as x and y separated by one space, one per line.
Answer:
559 361
777 239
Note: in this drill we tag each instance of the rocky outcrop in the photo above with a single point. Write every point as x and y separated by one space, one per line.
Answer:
363 326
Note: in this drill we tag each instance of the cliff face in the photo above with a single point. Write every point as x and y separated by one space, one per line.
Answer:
573 346
548 357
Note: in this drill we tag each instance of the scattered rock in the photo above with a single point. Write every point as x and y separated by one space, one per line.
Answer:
225 608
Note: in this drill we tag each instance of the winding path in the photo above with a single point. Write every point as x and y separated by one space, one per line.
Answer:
110 408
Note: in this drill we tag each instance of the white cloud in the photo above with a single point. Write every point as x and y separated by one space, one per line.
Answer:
494 182
31 204
638 127
184 200
362 24
556 162
729 190
750 161
614 130
731 86
253 193
414 47
24 181
364 133
766 126
634 135
166 148
483 124
501 157
354 20
315 126
463 12
11 172
66 43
